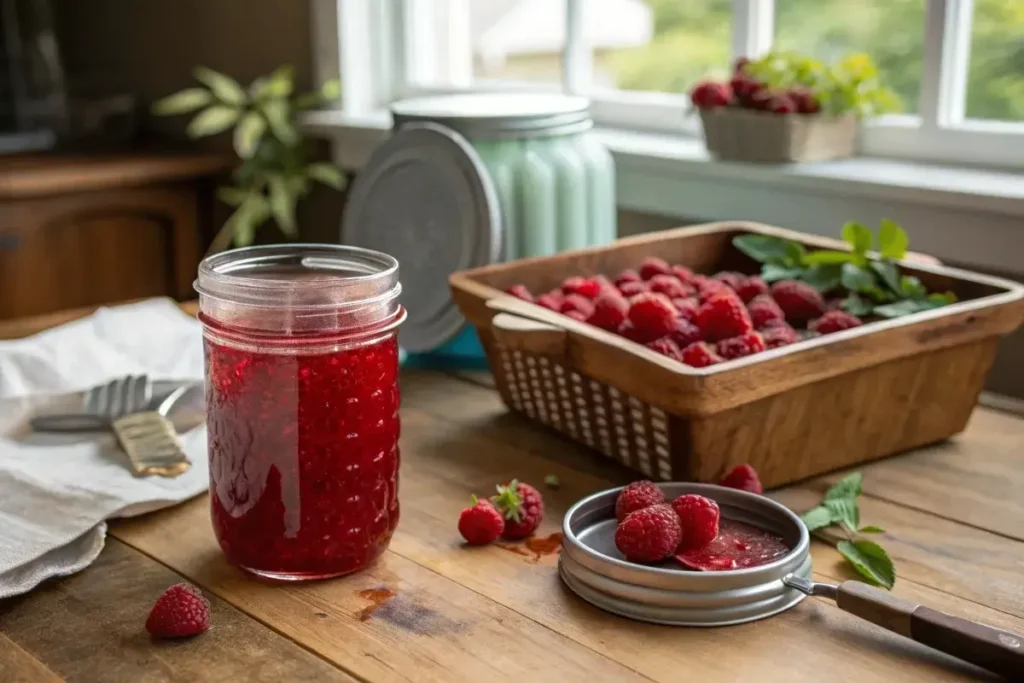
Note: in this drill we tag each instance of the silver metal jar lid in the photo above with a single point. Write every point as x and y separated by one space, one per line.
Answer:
426 198
498 115
593 568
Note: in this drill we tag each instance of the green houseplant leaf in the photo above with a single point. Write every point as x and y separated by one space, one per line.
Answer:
211 121
279 118
870 560
224 88
278 84
326 173
248 134
282 205
183 102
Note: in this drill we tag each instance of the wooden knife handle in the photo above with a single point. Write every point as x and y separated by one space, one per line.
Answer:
991 648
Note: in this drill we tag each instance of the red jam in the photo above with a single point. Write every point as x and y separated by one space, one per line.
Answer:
737 546
303 457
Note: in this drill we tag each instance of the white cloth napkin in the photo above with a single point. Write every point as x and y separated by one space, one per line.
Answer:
57 490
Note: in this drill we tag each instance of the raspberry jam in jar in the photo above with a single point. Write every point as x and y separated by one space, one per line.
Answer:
302 406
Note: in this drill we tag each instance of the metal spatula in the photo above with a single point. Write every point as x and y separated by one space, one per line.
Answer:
101 405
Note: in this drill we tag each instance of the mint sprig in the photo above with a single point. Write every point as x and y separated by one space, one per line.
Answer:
839 509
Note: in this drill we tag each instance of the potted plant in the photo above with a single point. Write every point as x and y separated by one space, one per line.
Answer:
274 172
787 106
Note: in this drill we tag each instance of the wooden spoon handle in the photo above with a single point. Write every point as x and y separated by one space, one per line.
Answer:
991 648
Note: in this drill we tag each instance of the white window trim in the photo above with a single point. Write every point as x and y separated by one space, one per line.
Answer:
968 215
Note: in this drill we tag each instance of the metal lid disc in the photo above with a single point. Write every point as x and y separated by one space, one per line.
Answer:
498 115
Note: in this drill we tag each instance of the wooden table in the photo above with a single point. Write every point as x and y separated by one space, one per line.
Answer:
433 610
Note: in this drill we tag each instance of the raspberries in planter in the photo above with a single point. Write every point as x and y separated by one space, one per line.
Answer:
653 315
666 347
670 286
764 312
631 288
723 316
743 345
834 321
779 334
798 300
578 303
686 333
609 311
520 292
700 355
652 265
588 288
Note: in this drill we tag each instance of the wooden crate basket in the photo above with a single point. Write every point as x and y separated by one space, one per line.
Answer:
793 412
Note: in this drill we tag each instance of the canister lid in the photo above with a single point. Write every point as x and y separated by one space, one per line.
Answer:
497 115
426 198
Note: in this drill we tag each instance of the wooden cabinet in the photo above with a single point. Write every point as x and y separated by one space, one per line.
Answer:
82 232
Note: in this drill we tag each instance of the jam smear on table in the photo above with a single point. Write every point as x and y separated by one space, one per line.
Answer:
303 456
737 545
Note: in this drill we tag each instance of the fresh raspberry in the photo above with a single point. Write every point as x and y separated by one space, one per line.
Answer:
609 311
631 288
577 315
723 316
743 88
670 286
653 315
743 345
652 265
582 286
685 333
523 508
631 333
708 287
740 64
628 275
708 95
181 611
744 478
603 284
520 292
805 101
650 534
577 302
764 311
686 307
731 278
779 334
666 347
700 355
550 301
481 523
798 300
751 287
698 517
781 104
834 321
637 496
760 99
683 273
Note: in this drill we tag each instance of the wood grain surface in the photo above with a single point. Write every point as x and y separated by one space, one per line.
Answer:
434 610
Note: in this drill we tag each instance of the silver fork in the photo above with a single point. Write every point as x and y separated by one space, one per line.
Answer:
101 405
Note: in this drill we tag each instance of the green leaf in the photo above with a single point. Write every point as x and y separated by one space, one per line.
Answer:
211 121
900 308
282 205
232 196
182 102
847 487
771 272
912 288
855 305
892 240
824 277
326 173
224 88
278 114
278 84
857 279
844 511
331 89
871 529
870 560
817 518
552 482
888 273
828 256
249 216
767 249
942 299
248 134
858 236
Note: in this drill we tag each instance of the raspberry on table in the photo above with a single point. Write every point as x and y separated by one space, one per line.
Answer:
520 292
798 300
653 315
581 286
685 333
609 311
670 286
523 508
700 355
637 496
577 302
652 265
764 311
751 287
743 477
631 288
666 347
779 334
743 345
834 321
723 316
481 523
180 612
650 534
698 517
687 307
628 275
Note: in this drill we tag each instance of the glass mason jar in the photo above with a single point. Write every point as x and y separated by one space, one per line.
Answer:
302 401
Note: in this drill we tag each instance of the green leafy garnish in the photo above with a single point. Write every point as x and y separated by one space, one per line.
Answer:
839 509
552 482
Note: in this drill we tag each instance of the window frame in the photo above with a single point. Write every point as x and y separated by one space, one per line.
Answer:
372 46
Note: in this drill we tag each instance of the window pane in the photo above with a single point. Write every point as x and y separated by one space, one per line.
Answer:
995 82
890 31
520 40
660 45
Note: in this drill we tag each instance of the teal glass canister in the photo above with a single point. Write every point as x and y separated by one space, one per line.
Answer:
554 180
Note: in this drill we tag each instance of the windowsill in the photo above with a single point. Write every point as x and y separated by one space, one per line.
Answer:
965 214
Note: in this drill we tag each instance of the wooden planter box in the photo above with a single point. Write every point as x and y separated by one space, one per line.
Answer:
793 412
734 134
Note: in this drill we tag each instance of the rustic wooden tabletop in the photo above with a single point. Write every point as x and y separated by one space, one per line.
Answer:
433 610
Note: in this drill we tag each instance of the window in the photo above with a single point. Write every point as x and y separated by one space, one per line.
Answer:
958 65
